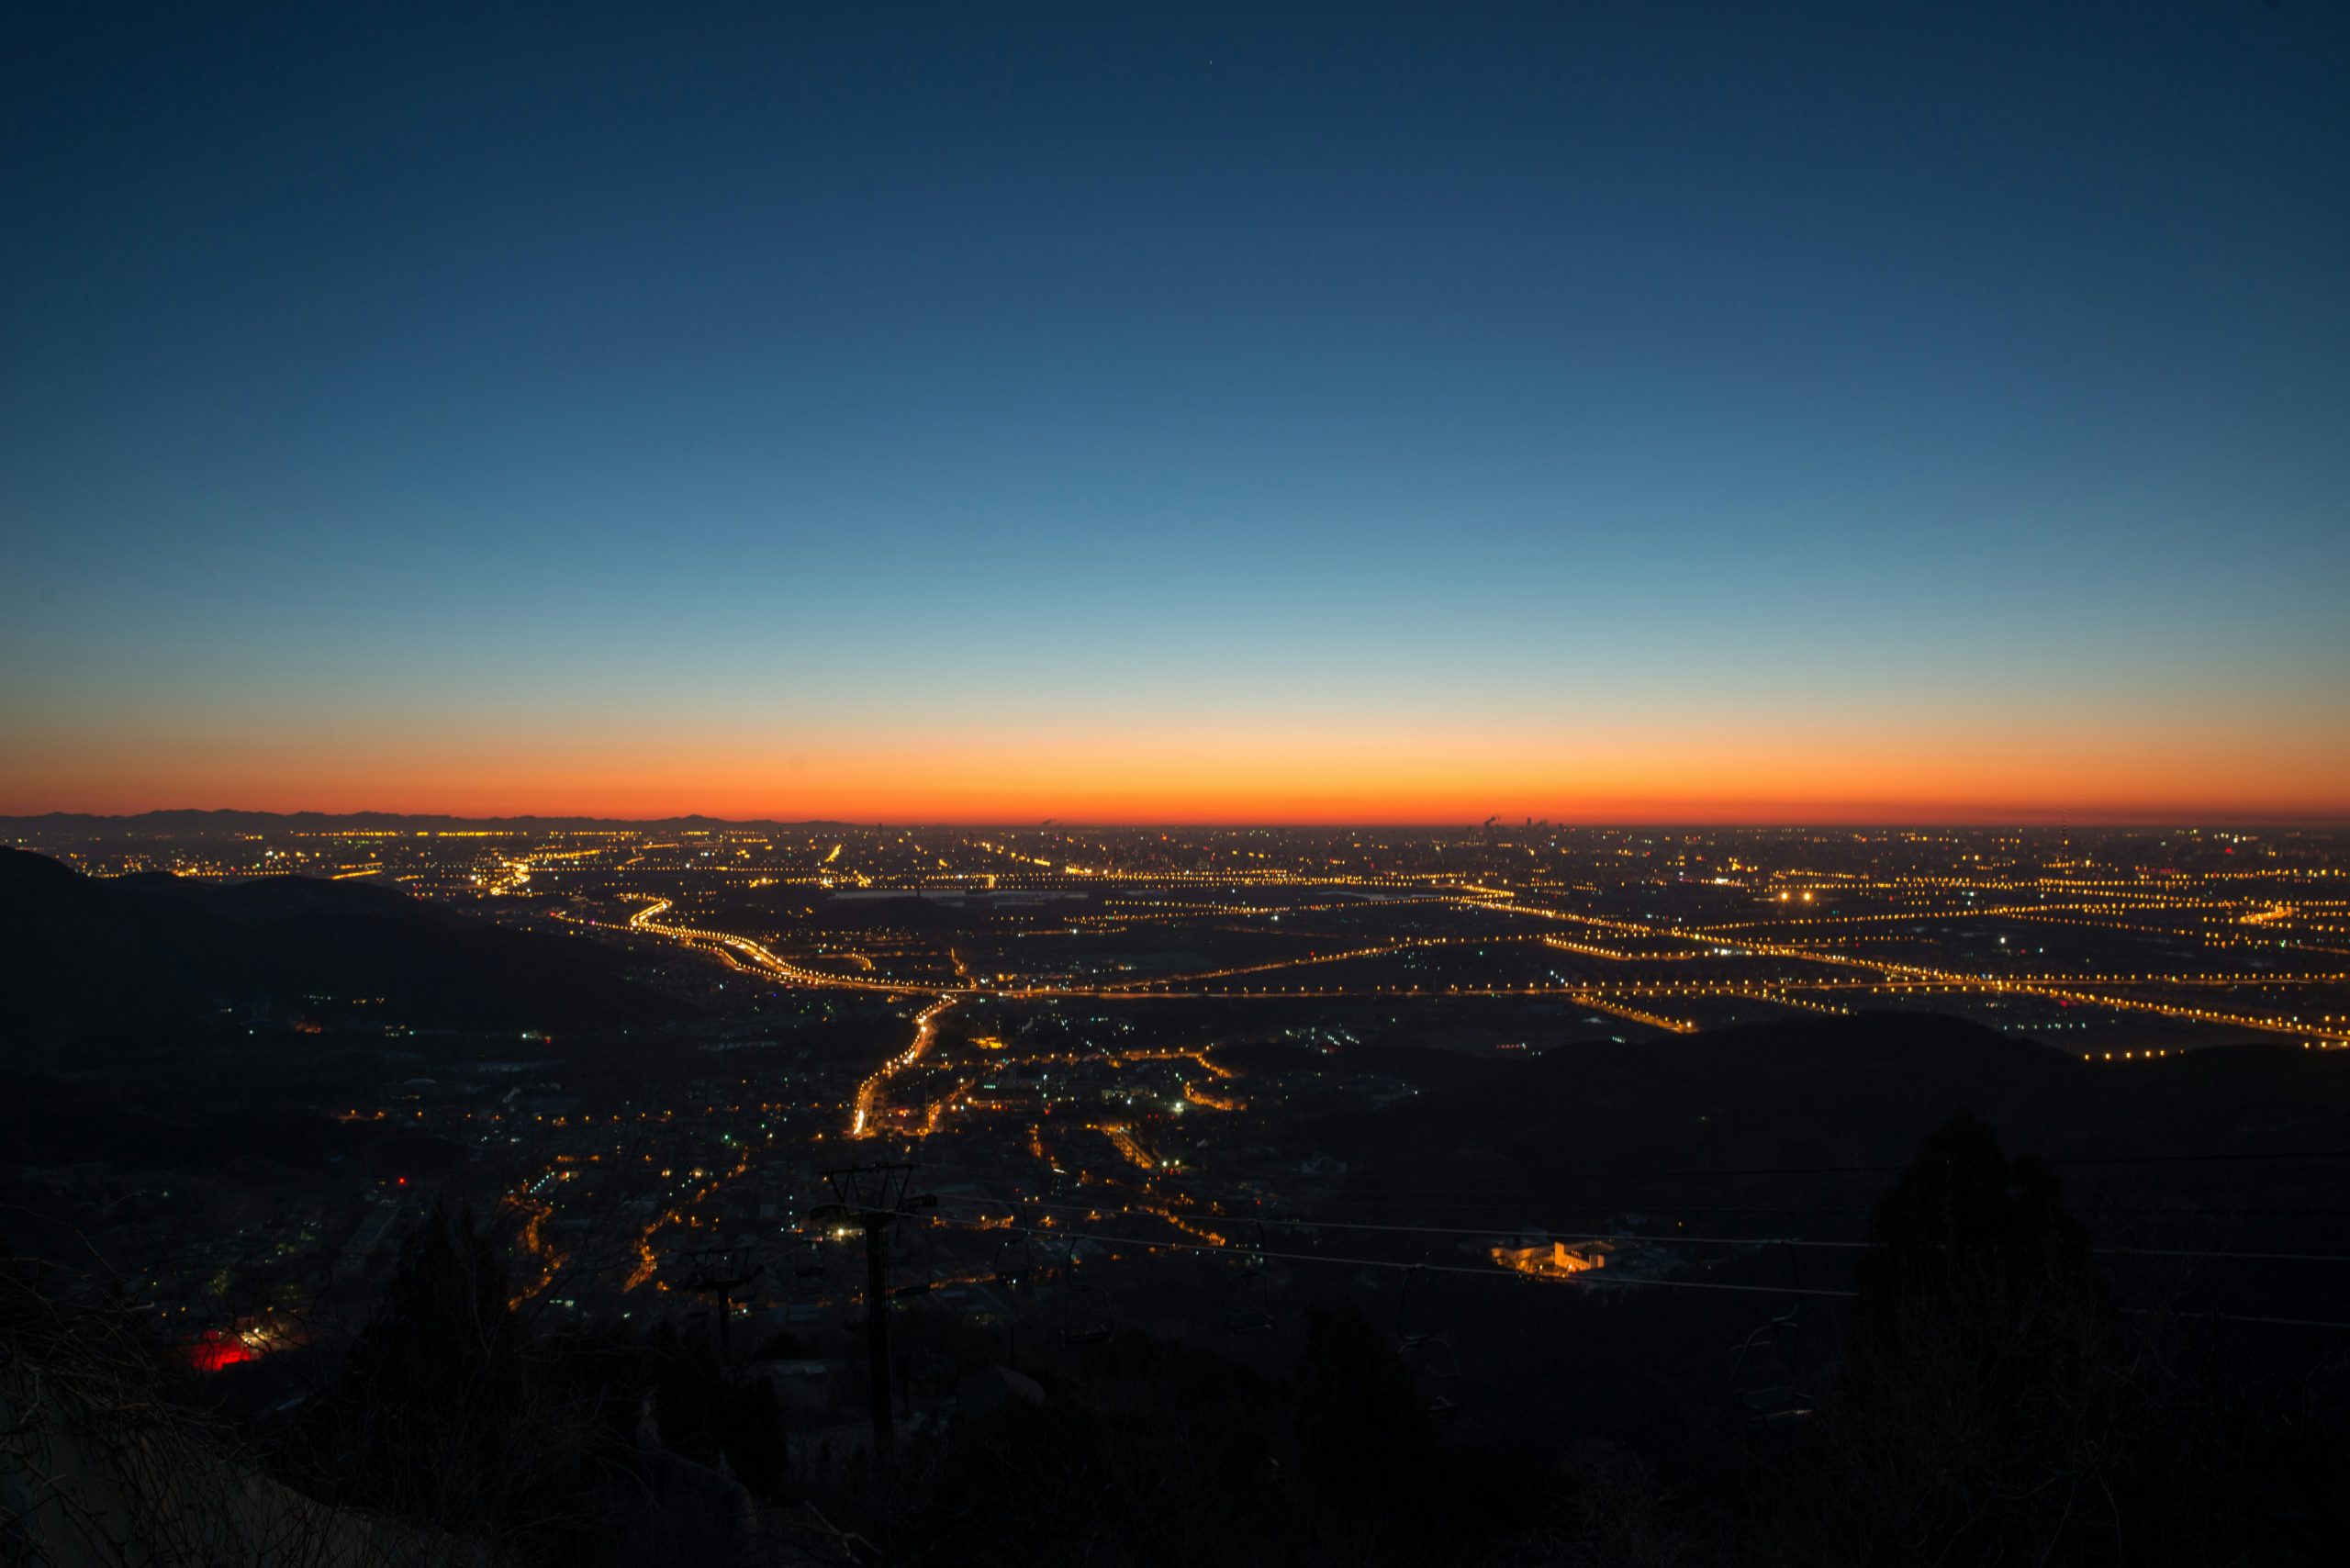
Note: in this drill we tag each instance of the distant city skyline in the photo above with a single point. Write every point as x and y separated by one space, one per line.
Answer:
1209 414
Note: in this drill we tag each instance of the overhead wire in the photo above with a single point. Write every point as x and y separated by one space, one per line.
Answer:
1594 1279
1398 1265
2183 1211
1757 1241
1549 1177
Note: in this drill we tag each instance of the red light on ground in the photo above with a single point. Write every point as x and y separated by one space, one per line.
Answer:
210 1355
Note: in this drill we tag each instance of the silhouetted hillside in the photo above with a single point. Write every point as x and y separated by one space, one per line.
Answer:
189 823
80 956
1779 1113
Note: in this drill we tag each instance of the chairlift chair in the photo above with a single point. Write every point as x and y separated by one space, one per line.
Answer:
1434 1372
1085 1311
1427 1358
1247 1305
1763 1374
1015 1263
1247 1301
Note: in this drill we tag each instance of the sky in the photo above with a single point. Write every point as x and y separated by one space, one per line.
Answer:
1179 413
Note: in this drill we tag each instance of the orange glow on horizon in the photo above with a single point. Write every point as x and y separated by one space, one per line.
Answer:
1749 771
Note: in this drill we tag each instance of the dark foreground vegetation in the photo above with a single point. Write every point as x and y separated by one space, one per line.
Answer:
1988 1400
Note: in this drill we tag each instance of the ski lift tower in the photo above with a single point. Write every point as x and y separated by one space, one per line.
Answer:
870 1197
718 1273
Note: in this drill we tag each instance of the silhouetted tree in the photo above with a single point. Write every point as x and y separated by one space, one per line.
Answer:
443 1415
706 1417
1363 1437
1986 1411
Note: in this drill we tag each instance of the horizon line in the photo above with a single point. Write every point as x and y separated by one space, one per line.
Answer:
2039 820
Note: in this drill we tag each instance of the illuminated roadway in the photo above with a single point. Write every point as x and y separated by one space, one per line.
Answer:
1894 974
1891 977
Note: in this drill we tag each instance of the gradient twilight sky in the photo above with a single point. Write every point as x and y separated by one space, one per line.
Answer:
1143 411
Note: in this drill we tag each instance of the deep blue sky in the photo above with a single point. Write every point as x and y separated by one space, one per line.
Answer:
1521 382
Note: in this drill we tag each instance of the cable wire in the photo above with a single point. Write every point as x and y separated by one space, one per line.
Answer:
1470 1235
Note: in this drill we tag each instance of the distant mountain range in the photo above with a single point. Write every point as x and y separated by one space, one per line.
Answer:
164 825
81 956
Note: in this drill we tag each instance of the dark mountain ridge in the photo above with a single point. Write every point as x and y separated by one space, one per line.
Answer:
82 956
183 821
1820 1110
